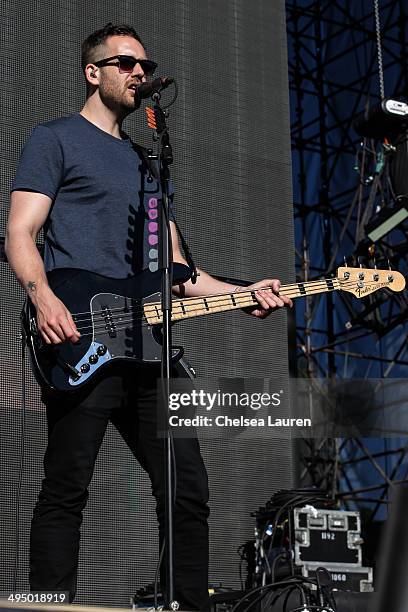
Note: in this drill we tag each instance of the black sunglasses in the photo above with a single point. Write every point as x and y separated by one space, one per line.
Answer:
126 63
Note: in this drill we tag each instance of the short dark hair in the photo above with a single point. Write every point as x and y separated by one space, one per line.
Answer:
94 40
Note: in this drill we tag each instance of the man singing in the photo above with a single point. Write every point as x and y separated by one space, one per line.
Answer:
83 180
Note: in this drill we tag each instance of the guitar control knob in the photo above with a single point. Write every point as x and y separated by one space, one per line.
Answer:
93 359
85 367
101 350
376 277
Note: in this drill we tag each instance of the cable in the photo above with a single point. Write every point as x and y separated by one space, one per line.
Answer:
290 591
278 558
291 541
277 596
242 556
21 465
156 575
287 501
174 98
292 582
289 505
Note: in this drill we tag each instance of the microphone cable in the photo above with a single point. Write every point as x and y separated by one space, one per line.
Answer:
21 464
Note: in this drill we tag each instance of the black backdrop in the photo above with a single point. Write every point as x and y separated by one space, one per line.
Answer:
230 134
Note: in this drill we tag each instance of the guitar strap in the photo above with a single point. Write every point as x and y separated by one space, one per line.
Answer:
152 167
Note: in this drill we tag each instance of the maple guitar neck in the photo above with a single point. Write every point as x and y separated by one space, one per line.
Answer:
198 306
358 281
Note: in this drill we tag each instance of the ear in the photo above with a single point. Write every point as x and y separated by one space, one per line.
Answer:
91 74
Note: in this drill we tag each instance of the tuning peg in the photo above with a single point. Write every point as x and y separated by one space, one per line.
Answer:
359 261
376 276
345 261
389 265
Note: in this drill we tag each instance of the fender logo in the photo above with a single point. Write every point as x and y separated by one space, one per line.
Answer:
370 288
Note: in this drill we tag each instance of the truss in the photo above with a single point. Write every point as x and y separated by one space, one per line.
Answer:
340 180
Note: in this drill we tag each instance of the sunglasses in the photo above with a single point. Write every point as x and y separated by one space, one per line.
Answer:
126 64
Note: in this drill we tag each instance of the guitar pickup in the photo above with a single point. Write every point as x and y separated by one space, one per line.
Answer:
111 331
109 324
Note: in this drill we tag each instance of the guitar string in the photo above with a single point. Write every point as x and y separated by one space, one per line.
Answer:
139 313
177 309
213 295
187 302
123 320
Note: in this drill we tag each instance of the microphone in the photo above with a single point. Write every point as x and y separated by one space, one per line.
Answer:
145 90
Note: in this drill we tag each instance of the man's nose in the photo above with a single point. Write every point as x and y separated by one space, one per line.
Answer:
138 71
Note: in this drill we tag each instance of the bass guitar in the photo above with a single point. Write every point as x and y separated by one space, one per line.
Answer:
120 319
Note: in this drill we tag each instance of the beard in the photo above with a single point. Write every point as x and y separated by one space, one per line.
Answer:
116 97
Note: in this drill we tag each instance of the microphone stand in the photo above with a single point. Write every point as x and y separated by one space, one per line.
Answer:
165 158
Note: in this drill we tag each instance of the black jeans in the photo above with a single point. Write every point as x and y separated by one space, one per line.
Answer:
76 427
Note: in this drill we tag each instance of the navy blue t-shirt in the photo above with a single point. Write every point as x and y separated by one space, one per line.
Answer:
105 203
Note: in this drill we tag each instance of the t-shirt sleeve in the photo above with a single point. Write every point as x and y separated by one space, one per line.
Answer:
40 168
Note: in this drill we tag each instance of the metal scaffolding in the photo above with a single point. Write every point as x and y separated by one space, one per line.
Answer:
337 70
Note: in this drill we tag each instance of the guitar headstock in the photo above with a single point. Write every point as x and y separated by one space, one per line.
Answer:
363 281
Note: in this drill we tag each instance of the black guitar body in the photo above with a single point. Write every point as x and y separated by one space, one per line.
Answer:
109 315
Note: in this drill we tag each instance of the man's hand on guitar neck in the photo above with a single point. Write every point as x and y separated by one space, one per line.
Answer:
267 294
268 298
